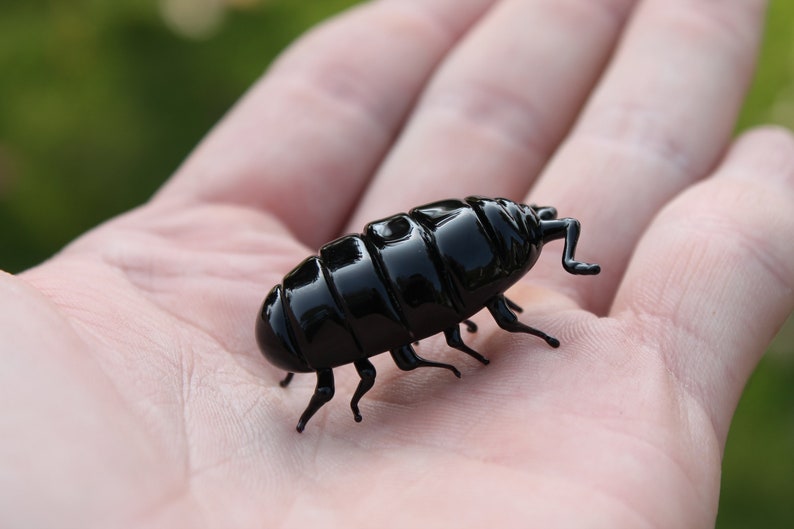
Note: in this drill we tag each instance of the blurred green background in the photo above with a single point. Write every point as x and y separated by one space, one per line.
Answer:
100 101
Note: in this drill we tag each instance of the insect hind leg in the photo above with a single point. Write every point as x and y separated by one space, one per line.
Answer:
323 392
286 380
507 320
367 373
470 325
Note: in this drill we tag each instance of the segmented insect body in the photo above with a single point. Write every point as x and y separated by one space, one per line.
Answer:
407 277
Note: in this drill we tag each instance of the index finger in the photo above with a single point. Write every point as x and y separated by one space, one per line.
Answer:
305 139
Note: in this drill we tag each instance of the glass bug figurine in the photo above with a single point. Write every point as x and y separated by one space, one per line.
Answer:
405 278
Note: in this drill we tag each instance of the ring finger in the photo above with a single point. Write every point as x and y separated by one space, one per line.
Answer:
660 120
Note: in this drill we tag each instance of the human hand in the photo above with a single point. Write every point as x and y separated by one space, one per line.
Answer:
133 393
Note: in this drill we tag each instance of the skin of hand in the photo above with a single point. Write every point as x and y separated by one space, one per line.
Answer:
133 393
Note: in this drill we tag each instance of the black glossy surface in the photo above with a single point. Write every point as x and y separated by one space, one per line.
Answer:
405 278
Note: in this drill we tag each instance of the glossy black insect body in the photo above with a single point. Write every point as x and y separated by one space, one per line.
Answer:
407 277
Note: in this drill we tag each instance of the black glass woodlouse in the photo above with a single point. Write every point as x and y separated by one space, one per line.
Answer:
405 278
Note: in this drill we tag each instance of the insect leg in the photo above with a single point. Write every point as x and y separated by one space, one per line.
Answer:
569 229
545 212
367 373
470 325
454 340
513 305
406 359
322 394
507 320
287 379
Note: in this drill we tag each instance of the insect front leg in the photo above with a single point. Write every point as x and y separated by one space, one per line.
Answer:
323 392
507 320
545 212
569 229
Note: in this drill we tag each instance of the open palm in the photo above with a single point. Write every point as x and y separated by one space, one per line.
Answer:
133 393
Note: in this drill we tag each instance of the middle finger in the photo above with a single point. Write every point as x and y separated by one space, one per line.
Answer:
499 105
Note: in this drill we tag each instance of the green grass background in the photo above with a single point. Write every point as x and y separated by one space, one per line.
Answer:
100 101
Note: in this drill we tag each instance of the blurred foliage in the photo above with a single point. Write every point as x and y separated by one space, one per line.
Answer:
100 101
758 468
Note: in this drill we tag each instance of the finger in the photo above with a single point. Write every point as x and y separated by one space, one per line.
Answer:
713 278
660 119
305 139
499 105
